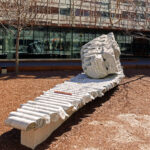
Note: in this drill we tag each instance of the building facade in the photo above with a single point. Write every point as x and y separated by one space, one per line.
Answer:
62 26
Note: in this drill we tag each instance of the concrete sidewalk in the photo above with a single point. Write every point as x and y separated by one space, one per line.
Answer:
68 64
139 63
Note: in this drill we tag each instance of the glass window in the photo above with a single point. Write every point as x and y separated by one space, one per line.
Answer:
26 38
9 42
124 44
65 11
78 41
67 43
1 41
91 36
86 35
39 44
55 43
60 43
27 41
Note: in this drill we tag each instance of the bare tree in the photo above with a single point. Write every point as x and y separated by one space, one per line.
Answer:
114 15
18 14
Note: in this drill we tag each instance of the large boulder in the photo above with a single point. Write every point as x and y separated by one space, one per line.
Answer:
100 57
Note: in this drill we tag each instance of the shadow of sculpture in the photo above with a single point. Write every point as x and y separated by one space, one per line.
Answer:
40 75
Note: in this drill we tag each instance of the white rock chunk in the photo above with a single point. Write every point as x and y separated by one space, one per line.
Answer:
100 57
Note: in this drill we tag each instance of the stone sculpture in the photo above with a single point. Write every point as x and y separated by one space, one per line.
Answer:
39 118
100 57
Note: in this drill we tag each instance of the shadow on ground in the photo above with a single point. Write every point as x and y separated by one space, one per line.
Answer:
40 74
134 72
11 139
65 74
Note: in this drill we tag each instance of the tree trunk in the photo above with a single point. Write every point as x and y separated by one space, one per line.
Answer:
17 51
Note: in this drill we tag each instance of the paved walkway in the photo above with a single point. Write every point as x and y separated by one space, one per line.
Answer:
24 64
138 62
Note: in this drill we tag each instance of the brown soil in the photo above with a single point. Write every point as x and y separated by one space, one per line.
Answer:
118 121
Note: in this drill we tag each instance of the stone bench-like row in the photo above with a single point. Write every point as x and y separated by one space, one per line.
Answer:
39 118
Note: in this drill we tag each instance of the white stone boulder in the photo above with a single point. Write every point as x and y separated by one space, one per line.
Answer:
100 57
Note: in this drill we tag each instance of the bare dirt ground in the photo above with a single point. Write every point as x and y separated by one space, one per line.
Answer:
118 121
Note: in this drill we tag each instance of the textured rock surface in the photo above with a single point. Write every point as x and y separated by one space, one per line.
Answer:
100 57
